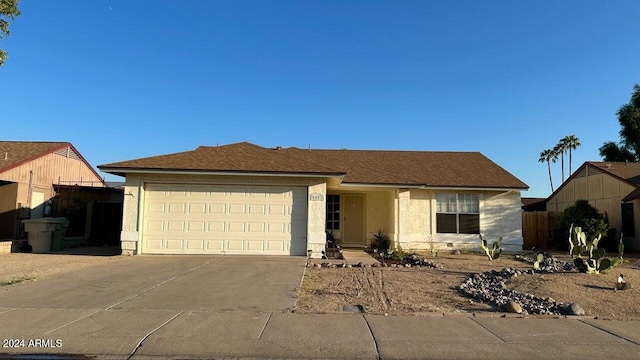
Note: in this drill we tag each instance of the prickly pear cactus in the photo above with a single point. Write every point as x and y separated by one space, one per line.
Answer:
493 252
539 260
596 262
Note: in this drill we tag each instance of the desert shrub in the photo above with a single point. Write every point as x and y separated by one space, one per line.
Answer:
381 241
582 215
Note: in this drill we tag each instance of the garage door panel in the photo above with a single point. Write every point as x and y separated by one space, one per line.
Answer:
255 209
155 225
216 226
255 245
217 209
236 209
218 219
276 246
174 244
275 227
173 226
256 227
153 244
235 227
196 226
235 245
215 245
195 244
155 207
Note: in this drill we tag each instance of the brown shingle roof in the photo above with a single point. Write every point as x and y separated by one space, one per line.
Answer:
241 157
416 168
19 152
629 171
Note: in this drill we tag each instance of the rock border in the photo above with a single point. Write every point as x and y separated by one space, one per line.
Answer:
489 287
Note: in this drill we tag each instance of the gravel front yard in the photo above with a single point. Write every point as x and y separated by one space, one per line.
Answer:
426 290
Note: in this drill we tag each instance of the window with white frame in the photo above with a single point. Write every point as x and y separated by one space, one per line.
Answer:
457 214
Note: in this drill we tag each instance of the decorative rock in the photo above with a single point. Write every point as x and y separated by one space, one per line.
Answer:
513 307
318 266
360 264
375 265
407 265
574 309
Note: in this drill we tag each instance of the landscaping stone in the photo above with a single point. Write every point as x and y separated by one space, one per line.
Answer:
487 288
549 264
574 309
513 307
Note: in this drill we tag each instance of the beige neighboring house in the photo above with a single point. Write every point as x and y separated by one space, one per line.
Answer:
247 199
611 187
28 172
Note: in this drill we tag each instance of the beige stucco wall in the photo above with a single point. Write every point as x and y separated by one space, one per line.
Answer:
131 236
378 215
500 215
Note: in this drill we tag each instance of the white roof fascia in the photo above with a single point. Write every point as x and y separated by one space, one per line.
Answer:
198 172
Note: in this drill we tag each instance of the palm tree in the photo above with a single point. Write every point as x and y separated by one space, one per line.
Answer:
548 156
559 150
571 142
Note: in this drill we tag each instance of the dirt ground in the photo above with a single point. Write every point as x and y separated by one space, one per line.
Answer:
426 290
20 267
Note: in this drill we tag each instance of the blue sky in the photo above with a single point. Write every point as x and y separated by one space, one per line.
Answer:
128 79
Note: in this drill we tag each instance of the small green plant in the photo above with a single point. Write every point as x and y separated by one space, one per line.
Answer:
495 250
380 241
596 261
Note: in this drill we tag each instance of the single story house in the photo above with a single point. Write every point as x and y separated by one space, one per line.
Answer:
611 187
29 170
246 199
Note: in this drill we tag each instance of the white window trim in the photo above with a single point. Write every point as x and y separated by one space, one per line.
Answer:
457 213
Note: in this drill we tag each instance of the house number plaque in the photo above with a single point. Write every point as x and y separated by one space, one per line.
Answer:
316 197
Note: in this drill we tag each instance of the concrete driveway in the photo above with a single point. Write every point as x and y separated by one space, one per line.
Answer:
189 283
108 308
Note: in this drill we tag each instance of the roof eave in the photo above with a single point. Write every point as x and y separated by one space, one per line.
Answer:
429 187
124 171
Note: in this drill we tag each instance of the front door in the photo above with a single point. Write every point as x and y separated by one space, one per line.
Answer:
353 220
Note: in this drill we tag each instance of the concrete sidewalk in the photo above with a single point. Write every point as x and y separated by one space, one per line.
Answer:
167 334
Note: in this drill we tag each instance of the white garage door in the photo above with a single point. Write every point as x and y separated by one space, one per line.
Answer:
215 219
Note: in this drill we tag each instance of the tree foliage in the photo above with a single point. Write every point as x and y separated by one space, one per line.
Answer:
582 215
566 144
570 143
8 11
628 147
548 156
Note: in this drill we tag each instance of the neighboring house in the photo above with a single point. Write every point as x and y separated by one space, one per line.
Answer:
246 199
534 204
28 172
611 187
